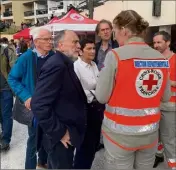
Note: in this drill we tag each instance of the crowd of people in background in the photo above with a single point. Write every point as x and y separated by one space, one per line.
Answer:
4 25
7 25
62 85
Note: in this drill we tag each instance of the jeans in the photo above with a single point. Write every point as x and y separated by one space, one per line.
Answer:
31 151
6 97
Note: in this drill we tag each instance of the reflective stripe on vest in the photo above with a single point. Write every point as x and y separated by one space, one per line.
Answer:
132 112
132 121
173 97
172 163
172 62
129 148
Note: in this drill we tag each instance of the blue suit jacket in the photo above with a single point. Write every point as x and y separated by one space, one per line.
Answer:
59 103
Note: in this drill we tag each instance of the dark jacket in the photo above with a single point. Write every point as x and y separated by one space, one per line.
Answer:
59 103
98 45
23 47
7 59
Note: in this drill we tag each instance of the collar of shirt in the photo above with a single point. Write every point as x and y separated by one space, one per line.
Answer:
109 45
39 54
84 64
135 39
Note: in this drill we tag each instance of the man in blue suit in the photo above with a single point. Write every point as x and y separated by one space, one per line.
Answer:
59 104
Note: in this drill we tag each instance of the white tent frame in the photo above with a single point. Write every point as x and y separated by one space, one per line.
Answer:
74 27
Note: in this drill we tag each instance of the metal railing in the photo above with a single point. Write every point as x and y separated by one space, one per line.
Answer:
8 14
41 11
28 13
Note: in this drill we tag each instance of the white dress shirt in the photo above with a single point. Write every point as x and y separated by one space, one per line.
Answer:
88 75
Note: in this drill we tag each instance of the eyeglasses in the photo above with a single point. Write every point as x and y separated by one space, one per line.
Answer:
46 39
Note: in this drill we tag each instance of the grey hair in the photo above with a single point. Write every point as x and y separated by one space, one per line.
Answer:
36 32
166 35
59 36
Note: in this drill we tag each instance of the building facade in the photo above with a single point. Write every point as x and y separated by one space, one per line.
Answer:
34 11
19 11
144 8
164 18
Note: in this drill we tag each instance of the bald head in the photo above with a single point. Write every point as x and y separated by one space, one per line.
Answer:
67 42
69 33
63 35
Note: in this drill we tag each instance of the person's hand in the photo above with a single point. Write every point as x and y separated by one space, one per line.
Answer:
66 139
27 103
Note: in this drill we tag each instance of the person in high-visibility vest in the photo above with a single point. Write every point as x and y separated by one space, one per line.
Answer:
132 83
167 131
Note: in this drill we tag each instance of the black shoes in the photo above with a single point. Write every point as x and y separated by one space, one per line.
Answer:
158 160
40 166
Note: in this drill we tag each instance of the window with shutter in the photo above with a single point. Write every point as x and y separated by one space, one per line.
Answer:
156 8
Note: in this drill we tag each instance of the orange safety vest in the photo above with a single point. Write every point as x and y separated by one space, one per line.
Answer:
133 108
172 70
172 63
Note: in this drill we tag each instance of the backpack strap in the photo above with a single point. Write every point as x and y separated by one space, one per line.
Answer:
5 53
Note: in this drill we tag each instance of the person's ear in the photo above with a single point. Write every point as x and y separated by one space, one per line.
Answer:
168 43
123 31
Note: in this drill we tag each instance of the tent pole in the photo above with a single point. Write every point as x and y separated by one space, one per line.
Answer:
91 8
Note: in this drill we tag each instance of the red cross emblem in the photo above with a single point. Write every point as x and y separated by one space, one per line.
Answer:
76 17
151 82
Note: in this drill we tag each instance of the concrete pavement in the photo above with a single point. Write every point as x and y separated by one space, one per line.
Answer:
15 157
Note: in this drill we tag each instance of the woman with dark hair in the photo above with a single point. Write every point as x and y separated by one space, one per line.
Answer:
87 73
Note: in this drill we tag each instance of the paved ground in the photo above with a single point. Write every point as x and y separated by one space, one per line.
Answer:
14 159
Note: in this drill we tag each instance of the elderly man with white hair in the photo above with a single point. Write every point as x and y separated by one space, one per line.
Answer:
22 78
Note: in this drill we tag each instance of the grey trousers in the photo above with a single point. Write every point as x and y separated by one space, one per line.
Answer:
168 134
117 158
160 152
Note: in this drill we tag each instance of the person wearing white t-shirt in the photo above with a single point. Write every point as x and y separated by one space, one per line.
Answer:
88 73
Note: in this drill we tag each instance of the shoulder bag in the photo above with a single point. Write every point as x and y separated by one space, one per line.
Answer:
20 113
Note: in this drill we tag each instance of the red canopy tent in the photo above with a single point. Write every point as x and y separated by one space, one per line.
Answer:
24 33
53 20
73 21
